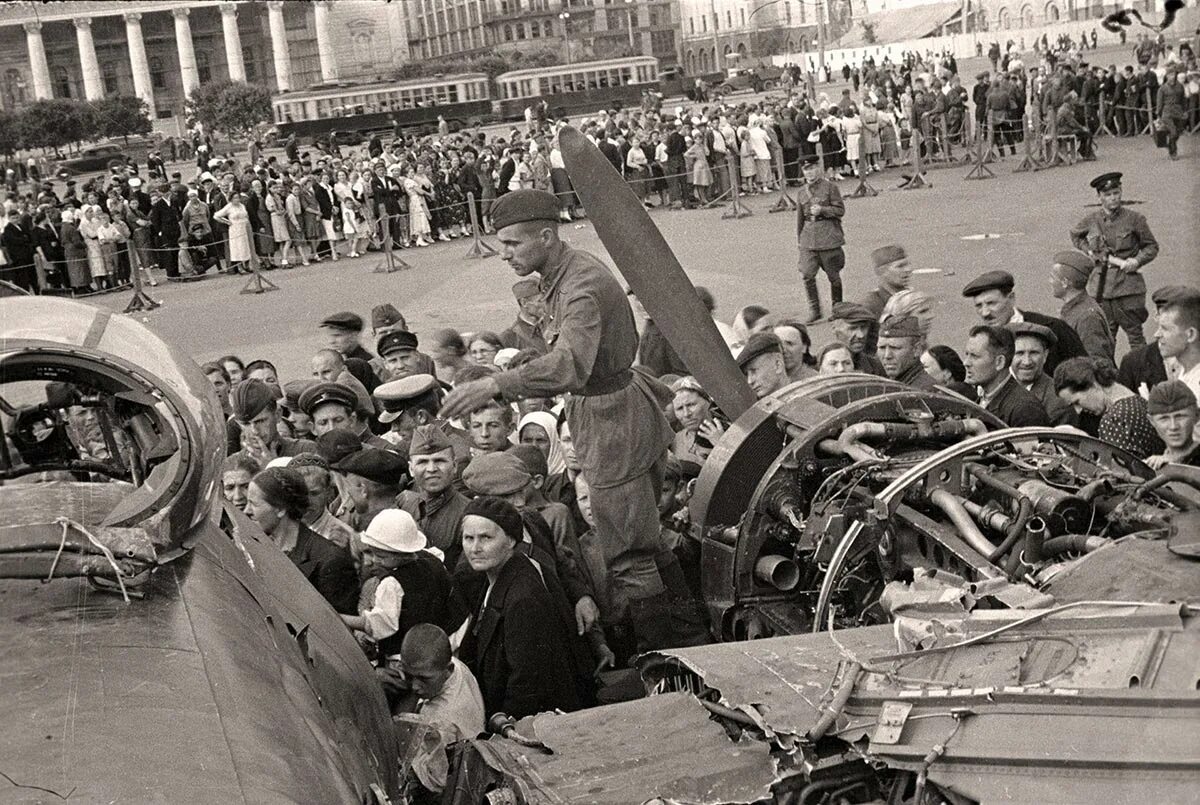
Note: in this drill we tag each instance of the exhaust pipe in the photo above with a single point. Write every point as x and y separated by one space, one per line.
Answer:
778 571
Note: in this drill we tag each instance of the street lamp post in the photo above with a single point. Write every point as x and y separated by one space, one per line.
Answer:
565 16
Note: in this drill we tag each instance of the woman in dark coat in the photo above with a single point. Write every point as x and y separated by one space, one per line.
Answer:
75 252
519 642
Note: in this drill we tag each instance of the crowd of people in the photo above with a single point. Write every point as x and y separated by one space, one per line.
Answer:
329 202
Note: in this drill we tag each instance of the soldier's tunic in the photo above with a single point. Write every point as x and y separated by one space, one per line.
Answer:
1087 319
615 414
1124 234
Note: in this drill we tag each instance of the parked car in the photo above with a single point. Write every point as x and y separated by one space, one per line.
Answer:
756 79
95 158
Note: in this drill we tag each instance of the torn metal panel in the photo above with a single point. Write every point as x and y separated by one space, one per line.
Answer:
663 746
784 681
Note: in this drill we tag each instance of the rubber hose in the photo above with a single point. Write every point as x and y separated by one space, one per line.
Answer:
952 506
1015 531
980 473
1066 543
839 701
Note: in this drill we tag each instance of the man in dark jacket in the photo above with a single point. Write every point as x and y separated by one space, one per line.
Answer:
995 301
17 241
988 358
164 231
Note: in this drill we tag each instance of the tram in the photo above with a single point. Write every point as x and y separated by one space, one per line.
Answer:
463 100
574 88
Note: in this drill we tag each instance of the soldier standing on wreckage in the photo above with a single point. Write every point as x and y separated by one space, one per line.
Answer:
615 414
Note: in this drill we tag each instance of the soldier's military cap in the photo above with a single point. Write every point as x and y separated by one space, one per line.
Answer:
322 393
1038 331
523 205
758 344
525 288
385 315
1174 295
396 395
851 312
1169 396
347 321
395 341
381 466
887 254
334 445
989 281
250 398
496 474
427 439
809 159
900 327
1106 181
1075 262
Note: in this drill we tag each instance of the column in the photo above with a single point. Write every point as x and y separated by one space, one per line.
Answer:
233 42
187 51
279 46
329 68
37 61
93 85
137 60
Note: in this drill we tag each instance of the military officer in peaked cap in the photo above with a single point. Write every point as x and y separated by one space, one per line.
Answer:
332 405
398 354
615 414
412 402
1122 239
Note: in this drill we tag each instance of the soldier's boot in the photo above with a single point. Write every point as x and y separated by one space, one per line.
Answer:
835 289
814 300
689 619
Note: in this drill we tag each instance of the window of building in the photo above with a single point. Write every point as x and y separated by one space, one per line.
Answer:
62 81
520 30
692 26
704 24
203 68
547 28
158 77
728 18
535 31
508 33
108 71
743 13
250 62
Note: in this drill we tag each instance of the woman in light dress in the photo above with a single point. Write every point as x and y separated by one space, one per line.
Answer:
872 145
276 205
418 207
89 227
294 208
852 134
354 227
241 238
697 167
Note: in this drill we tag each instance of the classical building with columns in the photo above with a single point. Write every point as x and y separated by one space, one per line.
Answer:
161 51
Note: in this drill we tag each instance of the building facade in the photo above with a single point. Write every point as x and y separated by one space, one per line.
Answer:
161 51
578 30
717 34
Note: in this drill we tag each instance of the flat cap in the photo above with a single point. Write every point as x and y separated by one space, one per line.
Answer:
396 395
395 341
851 312
1075 262
1174 295
1106 181
334 445
308 460
989 281
249 398
496 474
428 439
1169 396
294 388
1039 331
381 466
351 322
900 327
887 254
525 288
523 205
758 344
321 393
385 315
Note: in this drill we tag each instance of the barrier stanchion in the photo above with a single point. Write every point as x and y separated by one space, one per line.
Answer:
785 202
140 299
947 145
479 247
864 189
258 283
736 210
1029 162
917 181
983 147
821 157
390 261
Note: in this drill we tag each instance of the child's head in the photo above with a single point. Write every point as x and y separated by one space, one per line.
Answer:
491 426
583 499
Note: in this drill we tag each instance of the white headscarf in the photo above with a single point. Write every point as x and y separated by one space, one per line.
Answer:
556 461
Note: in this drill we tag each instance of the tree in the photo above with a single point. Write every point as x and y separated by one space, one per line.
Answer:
10 132
54 123
869 36
121 116
232 107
